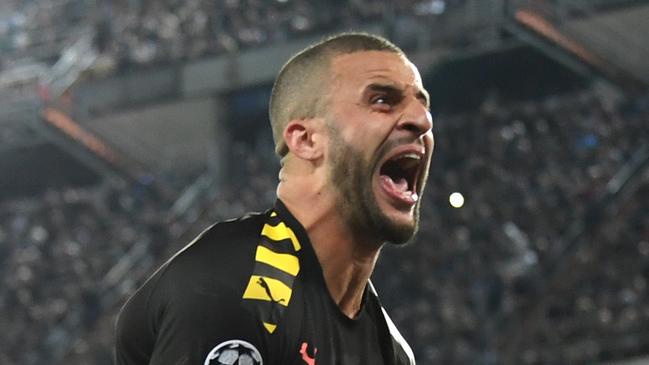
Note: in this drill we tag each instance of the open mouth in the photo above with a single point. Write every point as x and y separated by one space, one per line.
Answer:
399 176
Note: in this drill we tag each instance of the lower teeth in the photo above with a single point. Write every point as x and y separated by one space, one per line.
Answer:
411 195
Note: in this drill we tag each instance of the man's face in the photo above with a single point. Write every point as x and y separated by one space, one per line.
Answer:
381 143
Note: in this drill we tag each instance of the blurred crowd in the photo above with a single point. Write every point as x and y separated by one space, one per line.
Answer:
131 33
488 283
56 252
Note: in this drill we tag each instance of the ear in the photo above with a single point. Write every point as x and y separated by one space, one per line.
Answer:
303 138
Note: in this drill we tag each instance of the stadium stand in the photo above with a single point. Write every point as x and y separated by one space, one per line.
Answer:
57 252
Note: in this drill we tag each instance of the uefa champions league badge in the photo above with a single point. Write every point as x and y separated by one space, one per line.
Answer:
234 352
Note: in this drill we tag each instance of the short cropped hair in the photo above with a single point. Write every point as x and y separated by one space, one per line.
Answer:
298 90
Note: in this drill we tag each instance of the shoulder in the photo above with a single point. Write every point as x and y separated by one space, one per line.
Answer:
194 299
222 254
216 264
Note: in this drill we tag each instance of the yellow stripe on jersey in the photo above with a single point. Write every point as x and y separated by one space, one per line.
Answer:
270 327
283 261
280 232
262 288
268 289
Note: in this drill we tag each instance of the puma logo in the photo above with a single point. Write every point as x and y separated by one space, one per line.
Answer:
307 359
266 287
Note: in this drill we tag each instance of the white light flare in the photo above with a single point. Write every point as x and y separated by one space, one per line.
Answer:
456 200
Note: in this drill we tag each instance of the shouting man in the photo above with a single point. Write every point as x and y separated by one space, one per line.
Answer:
291 286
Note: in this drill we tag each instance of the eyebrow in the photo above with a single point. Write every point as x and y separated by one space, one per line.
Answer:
394 90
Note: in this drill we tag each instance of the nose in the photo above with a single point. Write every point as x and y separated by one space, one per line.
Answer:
416 118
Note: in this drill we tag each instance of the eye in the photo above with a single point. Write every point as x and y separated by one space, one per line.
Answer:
382 101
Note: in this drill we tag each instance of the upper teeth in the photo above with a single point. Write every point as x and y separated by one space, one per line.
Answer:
410 155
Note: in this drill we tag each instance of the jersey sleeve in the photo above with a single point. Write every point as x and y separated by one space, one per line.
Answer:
195 323
191 312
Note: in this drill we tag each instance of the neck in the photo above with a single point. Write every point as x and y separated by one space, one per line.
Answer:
347 261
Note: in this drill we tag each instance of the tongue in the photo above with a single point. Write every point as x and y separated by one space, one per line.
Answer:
401 184
399 189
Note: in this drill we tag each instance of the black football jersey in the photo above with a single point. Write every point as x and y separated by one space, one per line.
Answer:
251 291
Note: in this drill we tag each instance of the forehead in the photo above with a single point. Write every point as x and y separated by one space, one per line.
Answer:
361 67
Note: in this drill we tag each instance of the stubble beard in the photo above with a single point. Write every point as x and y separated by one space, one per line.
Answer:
351 176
